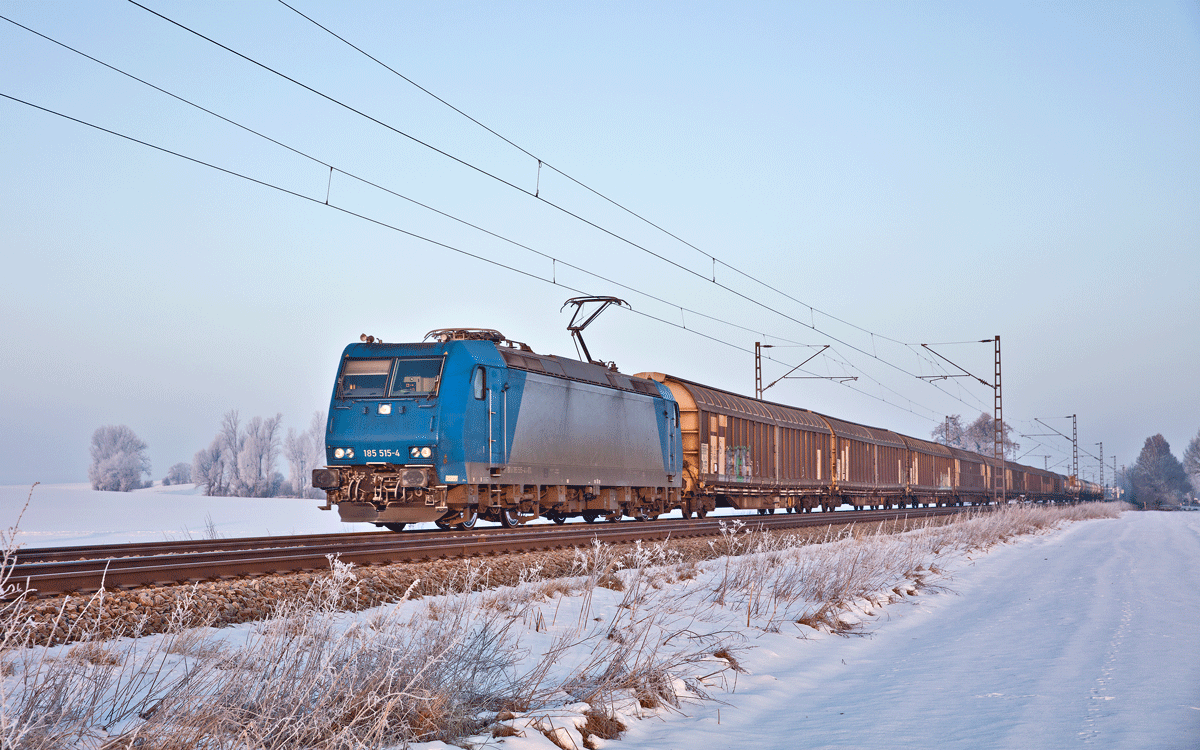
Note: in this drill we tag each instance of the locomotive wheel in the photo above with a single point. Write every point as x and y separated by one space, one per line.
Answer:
508 518
469 521
397 527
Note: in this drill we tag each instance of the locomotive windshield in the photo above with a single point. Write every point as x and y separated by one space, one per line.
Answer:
416 376
404 377
365 378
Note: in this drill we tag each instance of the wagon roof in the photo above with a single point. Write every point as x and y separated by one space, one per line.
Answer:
926 446
863 433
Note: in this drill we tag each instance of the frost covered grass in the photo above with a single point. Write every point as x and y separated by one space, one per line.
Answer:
632 632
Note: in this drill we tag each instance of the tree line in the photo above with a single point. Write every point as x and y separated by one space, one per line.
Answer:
241 461
1158 480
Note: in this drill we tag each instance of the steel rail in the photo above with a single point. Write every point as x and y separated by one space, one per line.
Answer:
209 560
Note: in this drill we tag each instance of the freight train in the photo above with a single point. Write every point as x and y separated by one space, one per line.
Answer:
468 424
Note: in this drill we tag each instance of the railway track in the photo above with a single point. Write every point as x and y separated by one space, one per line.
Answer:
51 571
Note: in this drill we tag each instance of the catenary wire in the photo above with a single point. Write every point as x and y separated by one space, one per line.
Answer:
580 183
395 228
812 326
397 194
466 223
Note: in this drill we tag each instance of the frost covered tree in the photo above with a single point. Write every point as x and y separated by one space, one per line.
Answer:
257 458
180 473
977 437
304 451
241 460
1157 479
119 459
1191 461
949 432
208 469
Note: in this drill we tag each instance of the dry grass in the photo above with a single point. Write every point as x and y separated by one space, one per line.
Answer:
602 725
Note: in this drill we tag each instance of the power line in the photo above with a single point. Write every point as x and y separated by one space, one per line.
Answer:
394 193
542 162
386 225
812 326
845 363
333 168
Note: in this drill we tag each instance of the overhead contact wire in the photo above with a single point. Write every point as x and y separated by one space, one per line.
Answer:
580 183
385 225
556 206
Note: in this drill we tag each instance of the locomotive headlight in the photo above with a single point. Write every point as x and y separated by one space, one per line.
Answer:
426 452
339 453
414 452
385 408
349 453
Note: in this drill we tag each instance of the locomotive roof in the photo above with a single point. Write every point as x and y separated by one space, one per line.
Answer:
573 369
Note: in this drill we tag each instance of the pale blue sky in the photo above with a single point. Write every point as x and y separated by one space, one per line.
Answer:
926 171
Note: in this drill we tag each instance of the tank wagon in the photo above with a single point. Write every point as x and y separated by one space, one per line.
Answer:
468 424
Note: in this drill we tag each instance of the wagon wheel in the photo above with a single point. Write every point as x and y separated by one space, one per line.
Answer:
558 518
508 518
397 527
591 517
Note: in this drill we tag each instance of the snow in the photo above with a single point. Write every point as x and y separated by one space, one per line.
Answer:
74 514
1085 636
1089 636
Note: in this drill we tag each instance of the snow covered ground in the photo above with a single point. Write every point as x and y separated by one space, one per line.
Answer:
1085 637
74 514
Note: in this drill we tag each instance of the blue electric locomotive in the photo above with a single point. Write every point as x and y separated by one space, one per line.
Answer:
468 424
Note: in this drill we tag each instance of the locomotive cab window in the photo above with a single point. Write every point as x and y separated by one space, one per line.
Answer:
364 378
479 383
416 376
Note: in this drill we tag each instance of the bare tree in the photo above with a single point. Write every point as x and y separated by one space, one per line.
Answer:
208 468
1191 461
305 451
978 437
949 432
232 439
180 473
119 459
258 456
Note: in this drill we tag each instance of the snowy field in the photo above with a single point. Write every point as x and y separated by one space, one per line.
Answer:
1084 636
75 514
62 515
